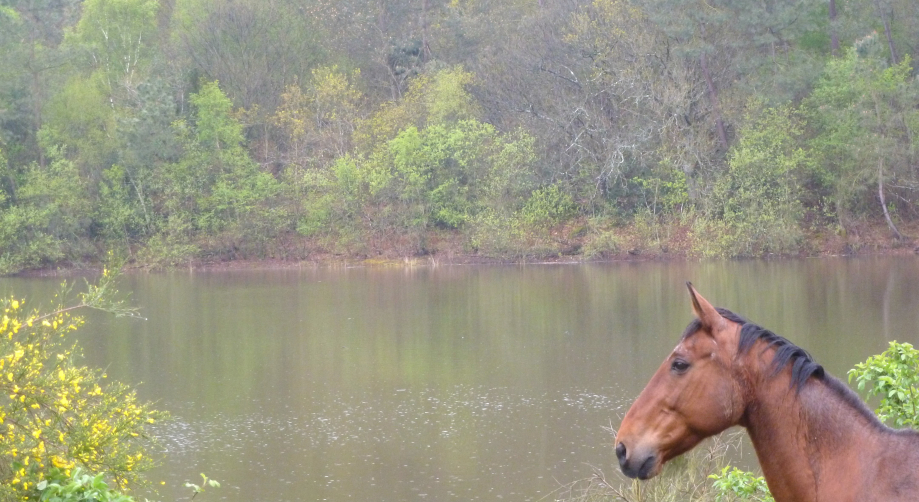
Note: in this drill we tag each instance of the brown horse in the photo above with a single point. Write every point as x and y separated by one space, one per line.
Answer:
815 439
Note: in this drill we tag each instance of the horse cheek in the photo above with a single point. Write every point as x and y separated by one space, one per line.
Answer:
720 413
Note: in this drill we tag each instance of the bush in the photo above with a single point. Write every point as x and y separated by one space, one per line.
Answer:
496 233
894 376
755 206
78 486
604 244
547 206
740 484
57 416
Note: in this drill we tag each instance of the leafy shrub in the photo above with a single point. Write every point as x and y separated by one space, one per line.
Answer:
78 486
605 244
547 206
496 233
46 224
755 206
737 484
893 376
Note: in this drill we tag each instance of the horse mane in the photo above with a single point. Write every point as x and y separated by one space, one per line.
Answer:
803 366
802 363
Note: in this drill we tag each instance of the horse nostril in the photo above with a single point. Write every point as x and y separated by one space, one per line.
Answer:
620 452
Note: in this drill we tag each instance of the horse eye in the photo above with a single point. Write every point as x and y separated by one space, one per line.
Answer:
679 366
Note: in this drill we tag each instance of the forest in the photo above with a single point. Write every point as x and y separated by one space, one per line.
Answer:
188 131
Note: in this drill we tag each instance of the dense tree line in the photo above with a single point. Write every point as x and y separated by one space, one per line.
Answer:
179 130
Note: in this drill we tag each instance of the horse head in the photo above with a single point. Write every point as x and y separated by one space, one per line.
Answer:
697 392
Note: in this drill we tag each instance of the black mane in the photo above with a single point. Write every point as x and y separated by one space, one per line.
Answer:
802 364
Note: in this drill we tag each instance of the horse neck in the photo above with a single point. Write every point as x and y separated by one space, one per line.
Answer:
799 433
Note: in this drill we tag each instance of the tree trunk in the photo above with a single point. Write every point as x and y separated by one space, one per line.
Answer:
881 156
893 51
425 42
890 224
886 20
834 37
716 106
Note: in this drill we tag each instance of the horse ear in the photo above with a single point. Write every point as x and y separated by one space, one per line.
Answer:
703 310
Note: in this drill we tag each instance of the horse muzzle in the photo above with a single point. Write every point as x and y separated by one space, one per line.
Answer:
637 464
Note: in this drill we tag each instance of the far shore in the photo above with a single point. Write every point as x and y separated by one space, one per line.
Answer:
873 240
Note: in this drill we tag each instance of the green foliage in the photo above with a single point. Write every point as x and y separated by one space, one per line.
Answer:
24 240
117 36
863 113
449 172
497 233
446 97
664 192
894 377
76 487
734 484
319 120
205 482
79 486
603 245
214 124
47 222
453 118
254 48
547 206
755 207
214 189
77 125
117 213
9 13
438 98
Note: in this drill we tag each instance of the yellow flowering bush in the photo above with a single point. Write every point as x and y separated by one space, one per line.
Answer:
56 415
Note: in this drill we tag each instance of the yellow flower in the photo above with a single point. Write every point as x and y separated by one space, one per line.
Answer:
15 304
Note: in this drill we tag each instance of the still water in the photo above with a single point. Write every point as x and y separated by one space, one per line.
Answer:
447 383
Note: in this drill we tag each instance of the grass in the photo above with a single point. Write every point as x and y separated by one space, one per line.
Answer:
684 479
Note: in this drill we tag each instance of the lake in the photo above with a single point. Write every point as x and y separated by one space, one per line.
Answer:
444 383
